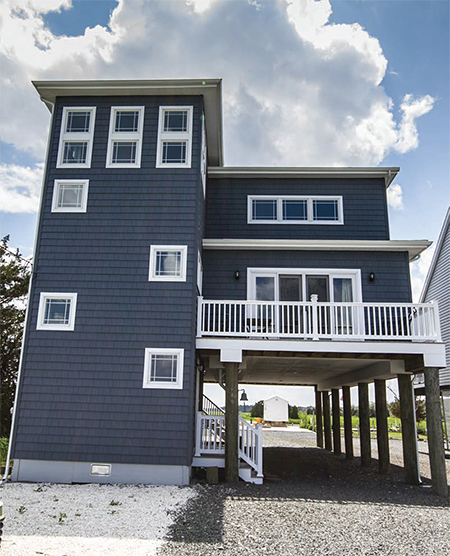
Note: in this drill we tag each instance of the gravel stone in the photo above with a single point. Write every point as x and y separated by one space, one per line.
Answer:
324 505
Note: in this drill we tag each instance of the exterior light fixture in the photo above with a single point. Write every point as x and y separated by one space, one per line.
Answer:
237 274
372 277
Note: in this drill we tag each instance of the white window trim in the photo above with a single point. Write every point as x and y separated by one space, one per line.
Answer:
56 187
204 159
199 273
67 136
174 136
353 273
125 136
153 251
178 385
309 198
52 295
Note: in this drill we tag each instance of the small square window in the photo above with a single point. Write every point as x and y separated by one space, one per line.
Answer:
127 121
75 152
163 368
325 210
57 311
295 210
174 152
168 263
124 152
264 209
70 195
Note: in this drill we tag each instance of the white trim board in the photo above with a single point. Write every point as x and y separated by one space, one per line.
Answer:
413 247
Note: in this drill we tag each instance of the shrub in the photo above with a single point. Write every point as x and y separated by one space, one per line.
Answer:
3 449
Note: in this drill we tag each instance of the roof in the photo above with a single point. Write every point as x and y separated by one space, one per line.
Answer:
388 173
210 89
439 245
276 398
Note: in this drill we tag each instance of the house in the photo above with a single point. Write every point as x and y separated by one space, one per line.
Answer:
158 269
276 410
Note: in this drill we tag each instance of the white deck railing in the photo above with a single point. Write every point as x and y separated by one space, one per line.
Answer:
251 445
311 320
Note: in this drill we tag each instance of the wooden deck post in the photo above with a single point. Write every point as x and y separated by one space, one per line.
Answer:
409 434
348 435
326 420
231 423
435 435
336 421
319 425
364 423
384 464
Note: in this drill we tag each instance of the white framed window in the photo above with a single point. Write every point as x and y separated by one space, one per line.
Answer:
57 311
163 368
76 137
204 160
168 263
292 209
70 195
125 137
174 137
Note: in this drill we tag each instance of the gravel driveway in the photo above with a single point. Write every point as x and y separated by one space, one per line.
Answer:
324 505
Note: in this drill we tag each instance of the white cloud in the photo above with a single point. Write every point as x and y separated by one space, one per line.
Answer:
419 270
408 136
20 187
395 196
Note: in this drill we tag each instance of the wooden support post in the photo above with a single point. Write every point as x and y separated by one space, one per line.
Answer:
319 425
384 465
435 435
231 423
409 434
348 435
364 423
336 421
326 420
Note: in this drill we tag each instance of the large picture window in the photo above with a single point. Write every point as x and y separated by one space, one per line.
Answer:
163 368
76 137
289 209
125 137
174 137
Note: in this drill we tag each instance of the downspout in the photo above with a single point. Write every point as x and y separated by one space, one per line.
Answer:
51 107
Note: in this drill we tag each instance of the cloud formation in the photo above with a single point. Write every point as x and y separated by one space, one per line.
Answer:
395 196
20 187
298 90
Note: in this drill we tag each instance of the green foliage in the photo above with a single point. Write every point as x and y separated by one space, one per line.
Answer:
3 450
14 279
394 409
258 409
293 412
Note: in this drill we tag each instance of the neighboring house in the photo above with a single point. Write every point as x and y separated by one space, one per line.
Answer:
158 269
276 410
437 287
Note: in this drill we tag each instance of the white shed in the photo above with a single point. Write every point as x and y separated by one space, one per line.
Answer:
276 409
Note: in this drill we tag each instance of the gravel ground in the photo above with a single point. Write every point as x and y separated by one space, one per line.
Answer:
324 505
94 520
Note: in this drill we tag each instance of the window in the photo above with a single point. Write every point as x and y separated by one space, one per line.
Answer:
204 162
174 137
57 311
199 273
289 209
125 137
70 195
163 368
76 137
168 263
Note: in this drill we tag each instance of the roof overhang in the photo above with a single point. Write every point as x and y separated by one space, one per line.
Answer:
210 89
388 174
413 247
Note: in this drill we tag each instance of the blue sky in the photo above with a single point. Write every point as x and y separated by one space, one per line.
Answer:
306 83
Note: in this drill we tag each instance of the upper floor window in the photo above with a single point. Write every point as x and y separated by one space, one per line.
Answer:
70 195
168 263
125 137
290 209
57 311
76 137
174 137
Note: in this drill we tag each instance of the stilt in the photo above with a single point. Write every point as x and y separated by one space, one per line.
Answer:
231 423
348 435
319 425
336 421
409 434
326 420
434 429
364 424
384 465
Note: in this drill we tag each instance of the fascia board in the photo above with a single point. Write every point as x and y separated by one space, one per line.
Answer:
413 247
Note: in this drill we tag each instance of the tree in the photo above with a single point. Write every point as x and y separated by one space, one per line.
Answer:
293 412
14 280
258 409
394 409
